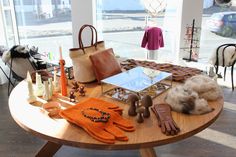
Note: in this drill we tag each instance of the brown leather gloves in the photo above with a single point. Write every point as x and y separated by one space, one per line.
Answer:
165 120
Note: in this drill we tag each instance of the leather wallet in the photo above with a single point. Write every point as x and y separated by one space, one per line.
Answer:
104 64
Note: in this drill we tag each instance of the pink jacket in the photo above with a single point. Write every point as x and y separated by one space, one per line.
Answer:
152 38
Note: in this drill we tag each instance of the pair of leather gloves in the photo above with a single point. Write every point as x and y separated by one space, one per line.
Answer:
165 120
109 130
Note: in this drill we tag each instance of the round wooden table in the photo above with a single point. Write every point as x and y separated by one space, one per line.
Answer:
59 132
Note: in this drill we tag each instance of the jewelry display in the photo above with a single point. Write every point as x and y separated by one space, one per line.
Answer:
140 80
119 93
103 118
192 43
122 94
160 86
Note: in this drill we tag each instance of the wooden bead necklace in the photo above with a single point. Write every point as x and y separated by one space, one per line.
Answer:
103 118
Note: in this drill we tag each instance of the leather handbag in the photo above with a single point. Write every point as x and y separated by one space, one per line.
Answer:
105 64
82 66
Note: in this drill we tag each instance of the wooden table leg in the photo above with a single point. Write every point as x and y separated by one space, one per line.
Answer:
48 150
150 152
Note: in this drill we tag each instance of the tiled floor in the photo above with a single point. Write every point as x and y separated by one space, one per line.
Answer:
219 140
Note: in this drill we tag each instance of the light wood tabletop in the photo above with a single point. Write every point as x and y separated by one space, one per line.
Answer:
59 132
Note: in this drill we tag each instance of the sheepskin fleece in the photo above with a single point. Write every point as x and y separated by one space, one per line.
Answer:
187 101
206 88
229 56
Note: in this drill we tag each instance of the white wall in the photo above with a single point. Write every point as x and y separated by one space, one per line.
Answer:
82 13
2 34
191 9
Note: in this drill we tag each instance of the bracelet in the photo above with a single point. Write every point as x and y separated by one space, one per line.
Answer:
103 118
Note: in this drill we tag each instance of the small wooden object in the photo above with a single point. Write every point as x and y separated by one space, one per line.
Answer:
140 112
81 91
133 100
72 96
75 86
146 102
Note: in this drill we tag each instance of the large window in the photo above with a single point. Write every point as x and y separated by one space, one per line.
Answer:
123 27
218 27
44 24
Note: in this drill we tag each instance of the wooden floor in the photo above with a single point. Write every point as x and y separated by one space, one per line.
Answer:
219 140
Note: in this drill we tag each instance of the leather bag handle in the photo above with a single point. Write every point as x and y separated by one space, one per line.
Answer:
93 30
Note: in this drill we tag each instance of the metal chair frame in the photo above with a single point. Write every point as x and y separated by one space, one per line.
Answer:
225 67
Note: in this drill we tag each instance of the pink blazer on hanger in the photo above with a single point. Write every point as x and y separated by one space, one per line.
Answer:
153 38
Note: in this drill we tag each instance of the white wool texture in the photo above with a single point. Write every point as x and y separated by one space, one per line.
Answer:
229 56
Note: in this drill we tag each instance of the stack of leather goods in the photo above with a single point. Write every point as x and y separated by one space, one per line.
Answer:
100 119
179 73
165 120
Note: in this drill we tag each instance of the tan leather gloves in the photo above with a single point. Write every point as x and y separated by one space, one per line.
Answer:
165 120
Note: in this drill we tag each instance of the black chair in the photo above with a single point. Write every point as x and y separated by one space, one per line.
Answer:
216 65
18 71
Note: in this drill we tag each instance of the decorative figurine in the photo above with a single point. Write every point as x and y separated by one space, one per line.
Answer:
133 100
63 74
39 85
81 91
75 86
146 102
140 112
55 81
72 96
31 97
46 95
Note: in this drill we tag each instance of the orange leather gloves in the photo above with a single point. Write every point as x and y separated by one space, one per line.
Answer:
100 119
